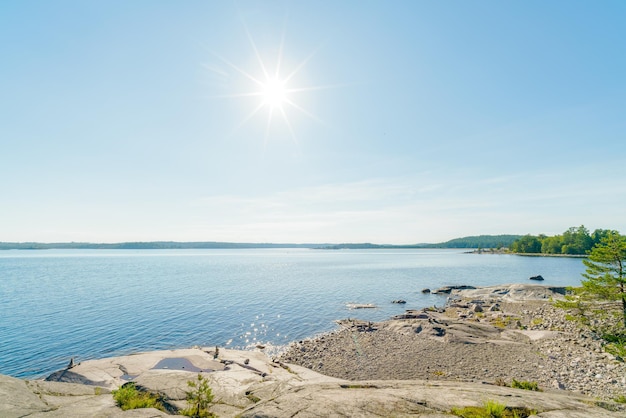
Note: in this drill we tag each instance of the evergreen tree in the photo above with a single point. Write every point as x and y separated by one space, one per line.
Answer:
606 270
199 398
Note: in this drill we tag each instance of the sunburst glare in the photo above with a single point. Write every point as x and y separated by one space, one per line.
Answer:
274 89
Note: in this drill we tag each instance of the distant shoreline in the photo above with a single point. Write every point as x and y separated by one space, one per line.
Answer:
212 245
551 255
203 246
171 245
468 243
502 251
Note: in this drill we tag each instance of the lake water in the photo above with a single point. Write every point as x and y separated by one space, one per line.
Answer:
56 304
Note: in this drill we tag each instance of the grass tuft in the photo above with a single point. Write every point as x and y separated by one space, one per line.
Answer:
492 409
523 384
129 397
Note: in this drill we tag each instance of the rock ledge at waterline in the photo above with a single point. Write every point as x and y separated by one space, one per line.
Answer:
263 387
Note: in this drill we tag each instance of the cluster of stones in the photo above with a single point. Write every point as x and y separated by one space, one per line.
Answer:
575 357
489 339
579 361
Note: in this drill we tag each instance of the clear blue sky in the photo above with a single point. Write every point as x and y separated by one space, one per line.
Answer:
399 122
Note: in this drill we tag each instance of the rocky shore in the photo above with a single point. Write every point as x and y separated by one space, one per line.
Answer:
422 363
493 335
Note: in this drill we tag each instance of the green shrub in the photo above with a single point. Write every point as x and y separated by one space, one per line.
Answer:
504 321
129 397
199 398
620 399
616 344
469 412
492 409
616 349
523 384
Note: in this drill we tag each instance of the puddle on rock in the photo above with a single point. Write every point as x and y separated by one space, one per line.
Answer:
179 363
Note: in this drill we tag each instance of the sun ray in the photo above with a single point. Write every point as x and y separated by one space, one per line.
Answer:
313 88
279 59
245 73
215 70
306 112
302 64
237 95
247 118
293 134
267 128
255 49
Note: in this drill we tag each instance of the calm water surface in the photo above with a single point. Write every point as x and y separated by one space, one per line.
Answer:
55 304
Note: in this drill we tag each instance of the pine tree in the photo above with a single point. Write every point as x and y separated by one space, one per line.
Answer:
199 398
606 270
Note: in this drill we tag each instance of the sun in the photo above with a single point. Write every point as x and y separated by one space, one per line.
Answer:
274 93
273 87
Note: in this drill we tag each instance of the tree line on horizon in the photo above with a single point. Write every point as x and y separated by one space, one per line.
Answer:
479 241
574 241
148 245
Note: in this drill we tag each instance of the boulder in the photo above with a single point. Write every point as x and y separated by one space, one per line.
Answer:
476 308
537 277
449 289
516 292
412 314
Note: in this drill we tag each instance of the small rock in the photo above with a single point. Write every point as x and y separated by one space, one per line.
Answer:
494 308
426 290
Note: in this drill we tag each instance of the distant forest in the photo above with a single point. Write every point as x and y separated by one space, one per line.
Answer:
152 245
574 241
481 241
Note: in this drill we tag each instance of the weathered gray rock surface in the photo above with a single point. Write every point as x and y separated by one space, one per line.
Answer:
416 398
516 292
263 388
